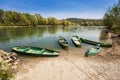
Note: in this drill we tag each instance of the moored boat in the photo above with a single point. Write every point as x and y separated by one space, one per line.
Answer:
63 42
34 51
93 51
76 40
95 43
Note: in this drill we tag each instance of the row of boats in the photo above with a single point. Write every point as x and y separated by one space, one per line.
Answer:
78 42
37 51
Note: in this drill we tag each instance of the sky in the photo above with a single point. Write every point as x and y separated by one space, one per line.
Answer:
61 9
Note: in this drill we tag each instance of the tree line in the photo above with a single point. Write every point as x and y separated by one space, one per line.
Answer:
13 18
112 17
87 22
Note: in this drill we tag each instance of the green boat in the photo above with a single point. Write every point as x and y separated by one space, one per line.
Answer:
95 43
76 40
63 42
93 51
34 51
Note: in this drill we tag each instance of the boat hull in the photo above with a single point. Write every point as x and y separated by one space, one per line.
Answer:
92 51
63 42
78 43
95 43
51 53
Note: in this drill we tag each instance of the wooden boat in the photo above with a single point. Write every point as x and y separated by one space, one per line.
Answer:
95 43
63 42
76 40
34 51
93 51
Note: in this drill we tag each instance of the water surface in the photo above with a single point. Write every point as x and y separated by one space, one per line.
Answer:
46 37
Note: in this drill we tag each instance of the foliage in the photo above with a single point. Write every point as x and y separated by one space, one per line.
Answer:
66 22
41 20
86 22
12 18
112 17
5 71
53 21
1 16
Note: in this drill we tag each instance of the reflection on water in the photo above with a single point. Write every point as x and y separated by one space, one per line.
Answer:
47 36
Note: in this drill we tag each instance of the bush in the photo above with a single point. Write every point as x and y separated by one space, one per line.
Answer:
5 71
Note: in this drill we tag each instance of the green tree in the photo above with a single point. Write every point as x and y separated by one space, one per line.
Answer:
34 20
41 20
53 21
112 17
65 22
24 21
1 16
31 19
8 20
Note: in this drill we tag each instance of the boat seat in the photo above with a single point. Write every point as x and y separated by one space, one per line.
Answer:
46 53
24 50
42 51
77 42
33 51
75 39
93 50
61 40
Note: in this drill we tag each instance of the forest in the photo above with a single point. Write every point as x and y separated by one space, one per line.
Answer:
13 18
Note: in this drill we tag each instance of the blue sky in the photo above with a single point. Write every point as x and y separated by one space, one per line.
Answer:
93 9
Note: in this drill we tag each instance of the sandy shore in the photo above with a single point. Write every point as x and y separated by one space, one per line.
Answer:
71 65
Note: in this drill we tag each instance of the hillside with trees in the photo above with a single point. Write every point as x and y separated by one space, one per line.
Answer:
87 22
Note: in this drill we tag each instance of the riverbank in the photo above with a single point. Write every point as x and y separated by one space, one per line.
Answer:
116 44
34 26
72 65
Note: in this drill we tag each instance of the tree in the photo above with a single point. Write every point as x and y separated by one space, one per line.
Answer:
31 18
112 17
8 20
65 22
24 21
53 21
1 15
41 20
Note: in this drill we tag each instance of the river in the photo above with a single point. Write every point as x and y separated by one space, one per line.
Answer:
46 37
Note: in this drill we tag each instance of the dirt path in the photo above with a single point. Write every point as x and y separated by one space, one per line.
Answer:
70 65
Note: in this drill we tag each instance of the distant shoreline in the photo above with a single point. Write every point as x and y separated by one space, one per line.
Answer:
36 26
26 26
